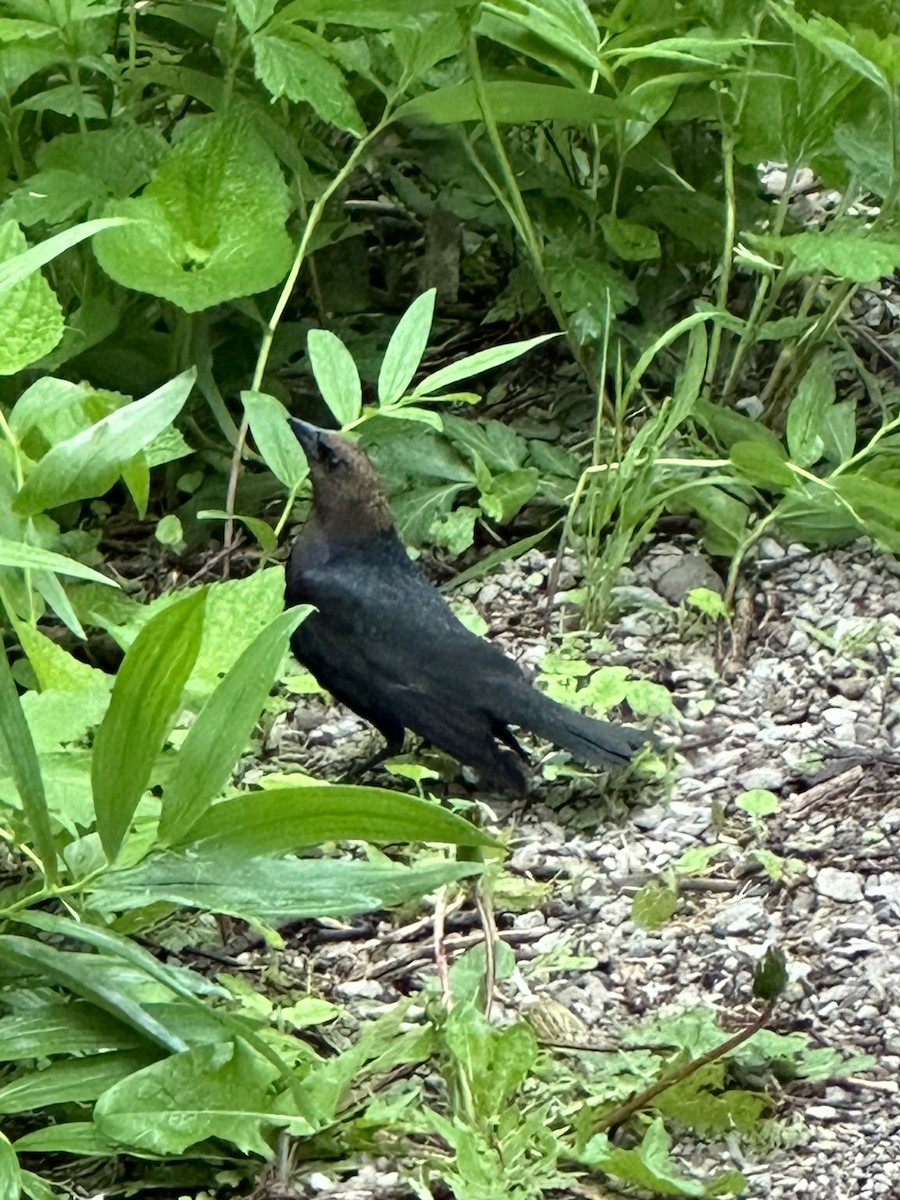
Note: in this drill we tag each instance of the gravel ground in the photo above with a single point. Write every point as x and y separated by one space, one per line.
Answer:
804 701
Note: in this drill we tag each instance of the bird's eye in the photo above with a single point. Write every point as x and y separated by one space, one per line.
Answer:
330 457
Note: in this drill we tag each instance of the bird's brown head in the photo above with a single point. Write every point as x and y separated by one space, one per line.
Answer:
349 499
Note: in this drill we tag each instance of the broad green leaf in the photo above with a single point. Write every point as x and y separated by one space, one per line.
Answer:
74 1080
222 729
18 755
272 889
275 823
14 270
335 374
53 196
225 1091
729 426
89 463
145 701
31 320
870 499
512 103
20 554
631 241
405 349
762 466
281 451
254 13
856 257
291 61
84 975
55 668
10 1175
476 364
508 493
210 225
808 411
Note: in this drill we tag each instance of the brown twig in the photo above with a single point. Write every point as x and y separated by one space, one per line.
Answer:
678 1074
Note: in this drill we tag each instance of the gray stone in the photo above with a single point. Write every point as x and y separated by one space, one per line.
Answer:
843 886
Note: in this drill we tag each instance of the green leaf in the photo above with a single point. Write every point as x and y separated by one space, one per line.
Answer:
759 802
405 349
508 492
335 374
271 890
10 1175
145 700
31 320
770 977
511 103
291 61
70 1028
18 755
280 821
653 905
79 1138
14 270
86 975
857 257
89 463
476 364
220 732
35 558
71 1081
808 412
648 1166
276 443
757 462
224 1091
210 225
260 529
629 240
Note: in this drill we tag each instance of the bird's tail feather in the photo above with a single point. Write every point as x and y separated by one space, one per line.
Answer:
592 742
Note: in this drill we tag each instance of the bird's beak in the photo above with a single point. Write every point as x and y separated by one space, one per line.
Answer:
308 437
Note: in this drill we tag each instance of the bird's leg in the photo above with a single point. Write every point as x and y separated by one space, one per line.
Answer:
505 734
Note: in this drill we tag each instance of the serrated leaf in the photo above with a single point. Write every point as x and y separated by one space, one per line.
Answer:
335 374
89 463
653 905
192 239
405 349
291 61
145 700
857 257
223 1091
31 320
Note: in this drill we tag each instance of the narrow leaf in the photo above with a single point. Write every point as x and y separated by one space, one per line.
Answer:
281 820
222 729
20 757
475 364
405 349
145 700
14 270
20 554
279 448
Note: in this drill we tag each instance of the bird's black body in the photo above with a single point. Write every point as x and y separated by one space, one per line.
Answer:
384 642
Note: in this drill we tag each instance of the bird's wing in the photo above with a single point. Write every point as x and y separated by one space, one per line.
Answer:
387 641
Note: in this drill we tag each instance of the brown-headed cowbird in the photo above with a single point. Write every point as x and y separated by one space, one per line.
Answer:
384 642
